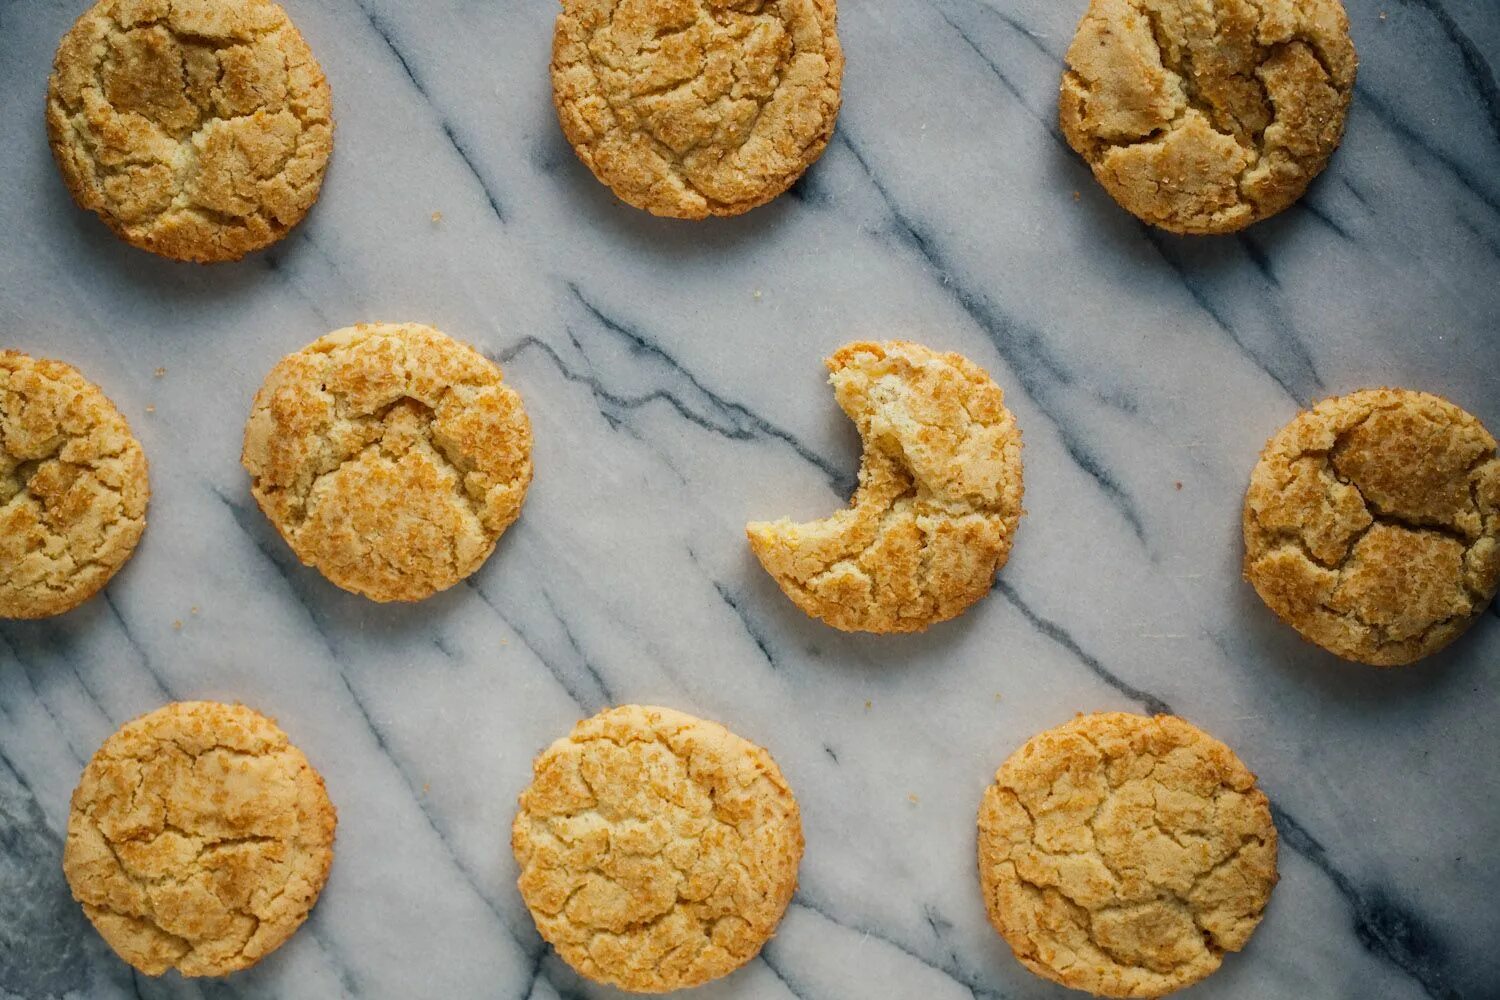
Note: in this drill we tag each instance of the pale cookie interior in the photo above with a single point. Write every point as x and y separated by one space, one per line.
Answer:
197 129
657 851
1372 524
691 108
938 502
73 488
390 457
1125 855
1203 117
199 839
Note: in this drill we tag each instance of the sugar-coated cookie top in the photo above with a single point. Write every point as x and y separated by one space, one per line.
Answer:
691 108
657 851
73 488
197 129
1203 117
199 839
389 456
938 503
1124 855
1372 524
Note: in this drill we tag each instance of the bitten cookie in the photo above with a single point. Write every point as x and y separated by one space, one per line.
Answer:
657 851
1205 117
196 129
692 108
199 839
73 488
938 502
1372 524
1124 855
390 457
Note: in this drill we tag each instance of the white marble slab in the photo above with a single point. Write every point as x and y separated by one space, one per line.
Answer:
673 375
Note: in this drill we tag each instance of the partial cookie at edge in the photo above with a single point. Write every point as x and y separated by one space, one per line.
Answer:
73 488
1205 119
687 108
1372 524
657 851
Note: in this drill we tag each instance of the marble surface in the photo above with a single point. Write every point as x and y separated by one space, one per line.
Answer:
673 375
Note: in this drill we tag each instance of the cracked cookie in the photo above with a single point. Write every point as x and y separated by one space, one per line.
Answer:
1124 855
1372 524
196 129
198 840
390 457
1203 117
692 108
73 488
657 851
938 502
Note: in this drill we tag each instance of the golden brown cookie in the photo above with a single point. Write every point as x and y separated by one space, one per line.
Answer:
1372 524
1203 117
199 839
73 488
390 457
1124 855
196 129
692 108
938 502
657 851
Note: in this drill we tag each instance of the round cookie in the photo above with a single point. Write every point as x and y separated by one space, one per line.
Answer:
198 840
73 488
1204 118
1124 855
196 129
390 457
1372 524
938 502
692 108
657 851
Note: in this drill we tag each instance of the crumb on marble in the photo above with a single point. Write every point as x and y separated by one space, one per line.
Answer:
912 798
150 407
869 704
1178 485
437 217
160 372
177 625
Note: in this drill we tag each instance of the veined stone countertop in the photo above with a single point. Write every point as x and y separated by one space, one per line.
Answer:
673 373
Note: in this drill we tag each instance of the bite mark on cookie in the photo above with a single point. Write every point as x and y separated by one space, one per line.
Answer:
938 502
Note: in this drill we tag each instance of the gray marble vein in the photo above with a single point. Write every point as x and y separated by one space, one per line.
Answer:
673 375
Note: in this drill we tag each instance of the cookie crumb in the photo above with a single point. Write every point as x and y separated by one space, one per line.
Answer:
1178 485
869 704
193 610
1077 195
150 407
177 625
437 217
757 293
912 798
159 372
